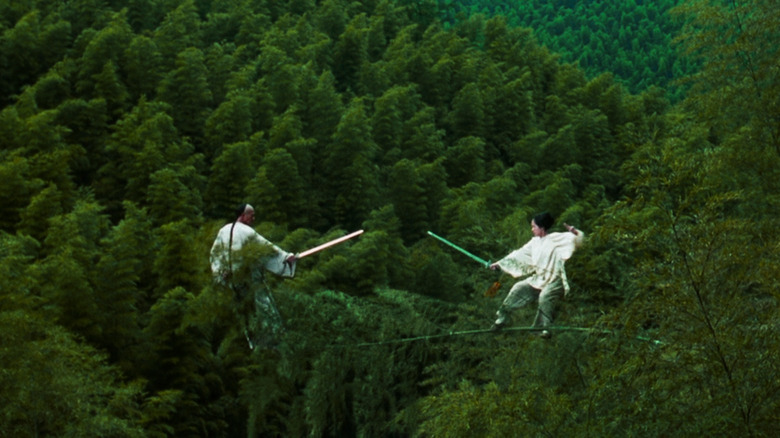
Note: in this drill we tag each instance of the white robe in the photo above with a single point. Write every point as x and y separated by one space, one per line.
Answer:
242 235
543 258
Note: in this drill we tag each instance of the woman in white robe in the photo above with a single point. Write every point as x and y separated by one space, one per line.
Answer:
542 261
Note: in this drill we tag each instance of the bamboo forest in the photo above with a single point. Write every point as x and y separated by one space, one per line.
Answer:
130 132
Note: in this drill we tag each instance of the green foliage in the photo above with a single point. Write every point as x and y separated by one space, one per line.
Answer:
101 56
230 174
738 82
699 282
187 89
32 41
187 402
408 199
322 109
129 133
177 263
352 183
67 273
174 194
178 31
18 187
347 273
119 288
16 254
231 122
435 274
468 112
630 39
53 384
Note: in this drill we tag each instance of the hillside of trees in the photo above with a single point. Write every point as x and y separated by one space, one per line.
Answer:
130 131
630 39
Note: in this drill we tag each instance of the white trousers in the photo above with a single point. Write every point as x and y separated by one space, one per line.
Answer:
523 293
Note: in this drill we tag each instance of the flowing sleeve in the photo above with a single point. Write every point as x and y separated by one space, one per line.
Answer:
564 246
566 243
277 262
518 262
279 265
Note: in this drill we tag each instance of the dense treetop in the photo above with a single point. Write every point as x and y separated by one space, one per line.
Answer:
129 131
630 39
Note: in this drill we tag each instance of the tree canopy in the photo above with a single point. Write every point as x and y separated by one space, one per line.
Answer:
129 131
630 39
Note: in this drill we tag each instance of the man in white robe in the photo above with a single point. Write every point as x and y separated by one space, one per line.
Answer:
239 256
542 260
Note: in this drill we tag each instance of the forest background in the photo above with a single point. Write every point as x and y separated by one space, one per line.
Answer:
130 130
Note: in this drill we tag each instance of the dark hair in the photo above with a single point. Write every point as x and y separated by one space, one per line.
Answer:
544 220
239 211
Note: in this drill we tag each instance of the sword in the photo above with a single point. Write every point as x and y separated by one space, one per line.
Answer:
325 245
482 261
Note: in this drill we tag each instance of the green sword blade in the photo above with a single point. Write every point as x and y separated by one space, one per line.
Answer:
482 261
